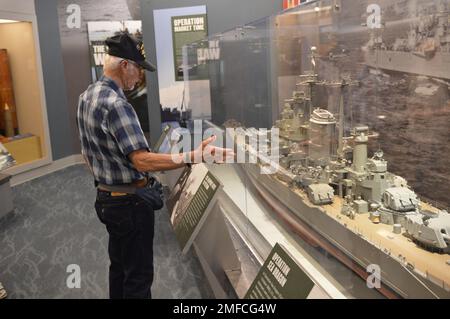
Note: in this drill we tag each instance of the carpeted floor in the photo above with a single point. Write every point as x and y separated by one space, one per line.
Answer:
54 225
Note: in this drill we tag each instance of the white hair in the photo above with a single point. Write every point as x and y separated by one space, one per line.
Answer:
111 64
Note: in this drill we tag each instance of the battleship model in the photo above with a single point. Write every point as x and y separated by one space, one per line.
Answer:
349 202
425 50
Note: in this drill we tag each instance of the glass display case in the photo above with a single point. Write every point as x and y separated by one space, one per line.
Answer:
23 119
353 97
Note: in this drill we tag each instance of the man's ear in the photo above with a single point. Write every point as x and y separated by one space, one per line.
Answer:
124 64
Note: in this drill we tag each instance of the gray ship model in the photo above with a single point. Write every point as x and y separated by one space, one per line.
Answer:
424 51
349 203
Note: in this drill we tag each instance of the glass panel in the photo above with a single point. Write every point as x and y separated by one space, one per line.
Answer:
359 94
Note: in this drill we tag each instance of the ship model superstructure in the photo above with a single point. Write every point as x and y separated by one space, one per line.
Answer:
425 50
352 200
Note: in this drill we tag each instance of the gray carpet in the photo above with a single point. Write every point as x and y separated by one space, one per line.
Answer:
54 225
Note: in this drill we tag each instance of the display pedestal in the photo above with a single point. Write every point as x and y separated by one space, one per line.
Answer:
217 254
5 196
214 247
260 232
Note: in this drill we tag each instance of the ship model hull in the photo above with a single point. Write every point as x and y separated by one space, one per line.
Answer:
397 276
408 62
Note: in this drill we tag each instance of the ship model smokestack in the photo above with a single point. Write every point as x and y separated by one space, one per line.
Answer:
322 129
361 138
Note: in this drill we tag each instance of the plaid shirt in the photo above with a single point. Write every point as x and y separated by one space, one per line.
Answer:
109 131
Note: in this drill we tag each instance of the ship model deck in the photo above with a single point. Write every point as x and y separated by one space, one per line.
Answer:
407 270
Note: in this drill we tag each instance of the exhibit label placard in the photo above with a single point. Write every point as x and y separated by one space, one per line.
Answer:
280 278
186 30
190 203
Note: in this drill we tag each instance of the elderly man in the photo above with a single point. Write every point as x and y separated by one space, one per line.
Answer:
118 155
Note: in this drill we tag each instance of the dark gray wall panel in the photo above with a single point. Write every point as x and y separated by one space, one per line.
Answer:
55 86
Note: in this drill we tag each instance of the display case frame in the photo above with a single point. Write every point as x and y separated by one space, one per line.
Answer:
25 12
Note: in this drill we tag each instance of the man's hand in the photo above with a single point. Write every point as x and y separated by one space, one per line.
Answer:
145 161
212 154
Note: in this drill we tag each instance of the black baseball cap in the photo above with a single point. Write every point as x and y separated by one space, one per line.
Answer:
125 46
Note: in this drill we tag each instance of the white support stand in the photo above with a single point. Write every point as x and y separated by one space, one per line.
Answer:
215 250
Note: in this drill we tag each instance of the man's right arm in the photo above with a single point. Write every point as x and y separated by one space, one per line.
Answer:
144 161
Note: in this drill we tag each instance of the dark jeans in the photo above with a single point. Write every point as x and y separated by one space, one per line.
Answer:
130 224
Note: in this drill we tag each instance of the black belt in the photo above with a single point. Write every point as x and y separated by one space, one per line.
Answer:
126 189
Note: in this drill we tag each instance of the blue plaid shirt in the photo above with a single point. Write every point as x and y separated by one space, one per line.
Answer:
109 131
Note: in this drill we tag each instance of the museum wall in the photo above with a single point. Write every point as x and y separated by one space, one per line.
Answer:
53 72
24 6
75 49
